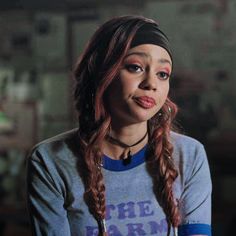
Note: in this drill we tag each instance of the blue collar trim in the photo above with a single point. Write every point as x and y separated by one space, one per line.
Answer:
119 165
192 229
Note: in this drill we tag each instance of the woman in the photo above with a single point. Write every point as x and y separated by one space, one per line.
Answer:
123 171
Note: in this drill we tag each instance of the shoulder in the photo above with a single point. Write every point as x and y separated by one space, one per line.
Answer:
187 150
191 161
53 162
58 139
58 147
193 185
184 141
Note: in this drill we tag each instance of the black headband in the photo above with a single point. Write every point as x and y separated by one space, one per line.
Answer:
151 34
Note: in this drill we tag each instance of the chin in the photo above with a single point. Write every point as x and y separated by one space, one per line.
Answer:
134 116
143 117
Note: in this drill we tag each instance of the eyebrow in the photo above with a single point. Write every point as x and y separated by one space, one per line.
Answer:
143 54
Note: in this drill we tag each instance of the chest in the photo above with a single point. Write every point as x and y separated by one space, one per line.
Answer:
131 207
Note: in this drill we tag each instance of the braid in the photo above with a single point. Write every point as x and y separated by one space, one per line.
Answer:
160 163
94 194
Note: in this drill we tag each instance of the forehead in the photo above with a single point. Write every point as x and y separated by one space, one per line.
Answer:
150 52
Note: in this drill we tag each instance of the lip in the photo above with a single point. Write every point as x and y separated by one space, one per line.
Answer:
145 102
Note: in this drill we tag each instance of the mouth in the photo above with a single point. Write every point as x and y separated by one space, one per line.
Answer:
145 102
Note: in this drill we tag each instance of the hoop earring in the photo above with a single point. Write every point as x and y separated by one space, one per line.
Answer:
92 98
165 115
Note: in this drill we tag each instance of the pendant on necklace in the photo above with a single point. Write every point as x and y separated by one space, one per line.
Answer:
127 160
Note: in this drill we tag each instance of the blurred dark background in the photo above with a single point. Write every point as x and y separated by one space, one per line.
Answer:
39 44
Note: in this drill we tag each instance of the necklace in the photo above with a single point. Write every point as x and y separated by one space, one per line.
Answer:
115 141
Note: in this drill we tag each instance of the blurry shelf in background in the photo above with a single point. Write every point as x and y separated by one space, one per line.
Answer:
221 151
14 221
24 117
16 230
14 213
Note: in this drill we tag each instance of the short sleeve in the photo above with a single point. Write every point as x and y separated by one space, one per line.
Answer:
45 202
195 201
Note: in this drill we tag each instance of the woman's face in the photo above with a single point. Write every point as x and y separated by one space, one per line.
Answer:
142 86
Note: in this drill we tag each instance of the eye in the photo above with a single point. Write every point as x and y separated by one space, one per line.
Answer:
163 75
134 68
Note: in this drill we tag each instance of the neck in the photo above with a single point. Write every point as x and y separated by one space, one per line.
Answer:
129 135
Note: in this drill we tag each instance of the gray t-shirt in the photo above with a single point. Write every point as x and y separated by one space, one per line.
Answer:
55 191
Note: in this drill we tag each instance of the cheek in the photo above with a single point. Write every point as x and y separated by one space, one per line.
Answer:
118 91
127 87
128 79
167 91
162 95
164 90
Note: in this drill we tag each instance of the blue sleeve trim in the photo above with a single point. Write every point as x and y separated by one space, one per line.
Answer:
190 229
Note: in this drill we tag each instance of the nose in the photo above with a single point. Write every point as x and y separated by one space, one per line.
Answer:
149 82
